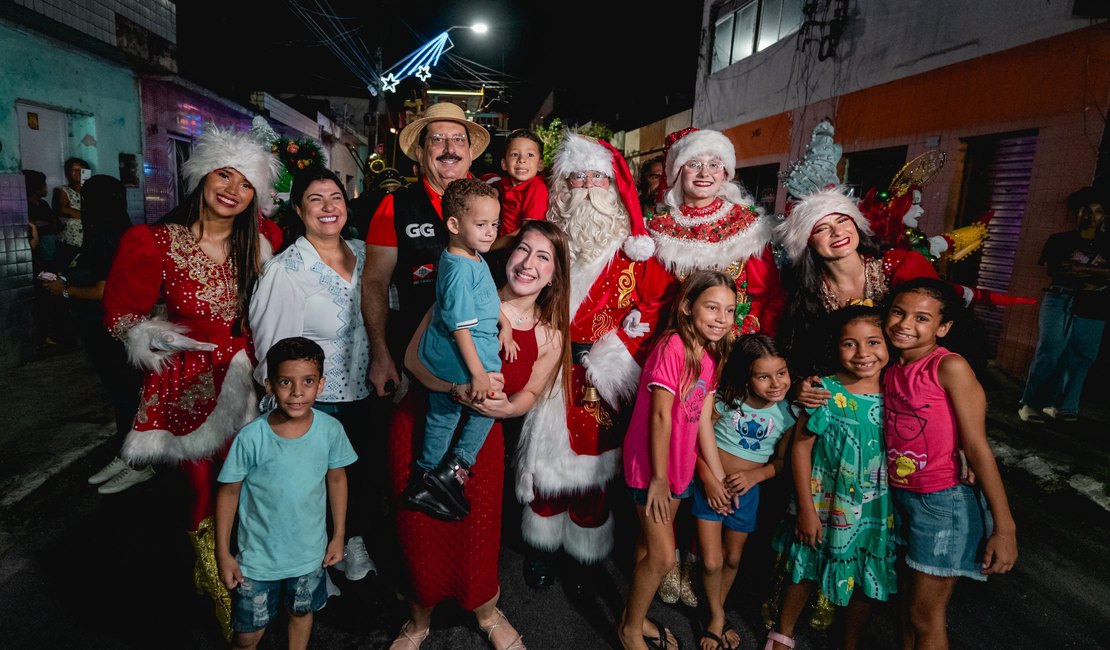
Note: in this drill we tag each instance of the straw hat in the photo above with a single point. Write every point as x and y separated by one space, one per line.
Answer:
443 112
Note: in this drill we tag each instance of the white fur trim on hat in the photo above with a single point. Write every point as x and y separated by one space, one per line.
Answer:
578 153
794 232
703 142
217 148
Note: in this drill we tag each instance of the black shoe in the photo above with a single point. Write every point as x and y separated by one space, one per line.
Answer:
537 570
446 484
418 497
581 580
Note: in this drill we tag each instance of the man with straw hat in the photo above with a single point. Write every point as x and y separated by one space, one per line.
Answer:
407 235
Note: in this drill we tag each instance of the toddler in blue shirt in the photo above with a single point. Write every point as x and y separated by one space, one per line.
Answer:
460 346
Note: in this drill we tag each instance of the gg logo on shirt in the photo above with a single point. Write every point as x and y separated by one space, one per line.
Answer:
414 230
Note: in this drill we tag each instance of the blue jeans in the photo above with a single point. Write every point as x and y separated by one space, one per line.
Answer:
1067 345
443 417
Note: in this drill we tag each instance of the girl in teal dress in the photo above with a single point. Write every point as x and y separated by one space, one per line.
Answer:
842 537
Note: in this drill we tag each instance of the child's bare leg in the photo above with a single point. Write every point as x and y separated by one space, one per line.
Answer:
300 628
734 551
929 610
793 602
712 557
246 640
856 615
658 558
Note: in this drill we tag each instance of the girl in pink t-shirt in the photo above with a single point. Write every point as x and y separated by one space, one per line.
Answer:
671 420
934 407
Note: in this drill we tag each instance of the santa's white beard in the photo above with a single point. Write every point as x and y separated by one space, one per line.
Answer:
593 226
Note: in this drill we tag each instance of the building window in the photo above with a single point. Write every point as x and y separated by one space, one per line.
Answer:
763 183
754 26
862 170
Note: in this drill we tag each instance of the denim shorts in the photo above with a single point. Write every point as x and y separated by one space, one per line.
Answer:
944 532
741 519
255 602
639 495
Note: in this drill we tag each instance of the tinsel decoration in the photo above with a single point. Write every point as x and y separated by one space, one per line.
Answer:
817 168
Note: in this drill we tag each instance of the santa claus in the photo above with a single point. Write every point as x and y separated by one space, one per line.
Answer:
570 444
707 222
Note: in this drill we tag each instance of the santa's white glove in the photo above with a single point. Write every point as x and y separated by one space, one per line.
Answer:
174 342
632 325
912 215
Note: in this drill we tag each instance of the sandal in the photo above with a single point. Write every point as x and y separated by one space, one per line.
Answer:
660 642
406 641
774 637
706 634
503 621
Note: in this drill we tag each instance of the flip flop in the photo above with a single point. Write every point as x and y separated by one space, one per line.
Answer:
706 634
779 637
660 642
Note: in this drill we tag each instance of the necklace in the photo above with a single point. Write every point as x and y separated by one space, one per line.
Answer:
518 317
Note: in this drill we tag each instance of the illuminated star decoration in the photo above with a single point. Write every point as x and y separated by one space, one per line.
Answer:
389 83
420 62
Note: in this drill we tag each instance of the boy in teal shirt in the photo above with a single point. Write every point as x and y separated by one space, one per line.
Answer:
279 472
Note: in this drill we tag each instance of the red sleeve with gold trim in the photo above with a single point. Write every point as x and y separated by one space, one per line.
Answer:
135 281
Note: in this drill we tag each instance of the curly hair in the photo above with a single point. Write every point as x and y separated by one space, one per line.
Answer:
456 200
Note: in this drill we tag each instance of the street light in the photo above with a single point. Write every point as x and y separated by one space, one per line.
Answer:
421 61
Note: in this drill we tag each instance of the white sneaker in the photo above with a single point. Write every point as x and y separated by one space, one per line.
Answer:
1030 414
127 478
111 469
356 562
1051 411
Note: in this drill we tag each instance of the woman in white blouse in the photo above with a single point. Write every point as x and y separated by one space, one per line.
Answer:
311 289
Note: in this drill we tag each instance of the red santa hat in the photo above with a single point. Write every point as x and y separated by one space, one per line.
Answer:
580 153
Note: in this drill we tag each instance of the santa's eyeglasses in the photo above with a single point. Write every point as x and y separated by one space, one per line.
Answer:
578 179
696 166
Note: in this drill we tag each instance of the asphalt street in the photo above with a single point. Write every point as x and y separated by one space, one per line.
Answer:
81 570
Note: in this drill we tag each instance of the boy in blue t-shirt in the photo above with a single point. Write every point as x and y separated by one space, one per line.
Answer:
460 346
279 472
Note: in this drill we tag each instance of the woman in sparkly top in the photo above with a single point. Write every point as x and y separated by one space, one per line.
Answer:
836 262
198 265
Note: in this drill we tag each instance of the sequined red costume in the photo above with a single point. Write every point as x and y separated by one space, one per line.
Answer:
455 560
192 403
730 238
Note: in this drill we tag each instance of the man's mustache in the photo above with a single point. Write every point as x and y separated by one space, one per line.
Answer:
445 157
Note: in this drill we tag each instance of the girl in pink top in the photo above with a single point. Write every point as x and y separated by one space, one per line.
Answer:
934 407
672 417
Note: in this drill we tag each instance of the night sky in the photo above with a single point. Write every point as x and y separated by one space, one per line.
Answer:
608 61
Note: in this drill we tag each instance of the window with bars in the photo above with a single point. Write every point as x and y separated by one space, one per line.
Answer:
752 27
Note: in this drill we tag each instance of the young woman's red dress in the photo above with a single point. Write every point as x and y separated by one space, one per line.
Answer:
455 560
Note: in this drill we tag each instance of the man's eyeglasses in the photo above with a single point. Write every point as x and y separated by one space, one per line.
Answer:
438 139
696 166
580 178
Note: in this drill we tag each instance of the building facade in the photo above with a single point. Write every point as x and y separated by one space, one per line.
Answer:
1015 92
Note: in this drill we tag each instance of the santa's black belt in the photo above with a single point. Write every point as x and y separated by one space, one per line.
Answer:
579 351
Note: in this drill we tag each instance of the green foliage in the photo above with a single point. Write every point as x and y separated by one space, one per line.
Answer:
552 136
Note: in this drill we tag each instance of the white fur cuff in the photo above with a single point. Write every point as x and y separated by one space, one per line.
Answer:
613 370
543 533
138 340
588 545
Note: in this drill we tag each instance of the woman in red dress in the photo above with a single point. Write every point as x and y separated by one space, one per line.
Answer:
459 560
201 263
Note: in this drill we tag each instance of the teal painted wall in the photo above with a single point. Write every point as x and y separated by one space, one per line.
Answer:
103 97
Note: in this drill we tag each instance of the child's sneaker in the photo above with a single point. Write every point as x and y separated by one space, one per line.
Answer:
111 469
446 484
356 562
